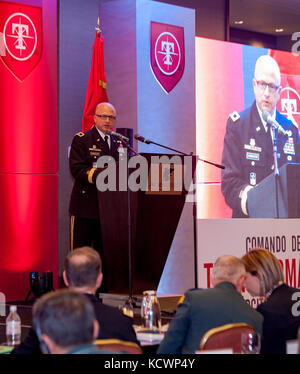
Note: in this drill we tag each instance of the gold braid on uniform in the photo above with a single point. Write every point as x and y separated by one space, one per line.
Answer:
72 232
90 174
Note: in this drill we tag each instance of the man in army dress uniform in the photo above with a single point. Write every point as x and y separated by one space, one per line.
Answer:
86 148
248 144
204 309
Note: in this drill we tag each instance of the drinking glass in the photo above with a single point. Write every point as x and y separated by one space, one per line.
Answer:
250 343
150 311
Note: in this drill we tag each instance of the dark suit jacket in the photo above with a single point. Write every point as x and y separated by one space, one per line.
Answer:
113 325
248 154
202 310
86 148
279 324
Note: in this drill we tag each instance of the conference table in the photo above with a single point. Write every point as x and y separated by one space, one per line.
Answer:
149 341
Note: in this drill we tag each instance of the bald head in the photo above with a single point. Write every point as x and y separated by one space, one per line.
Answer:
267 65
105 116
82 267
266 83
104 105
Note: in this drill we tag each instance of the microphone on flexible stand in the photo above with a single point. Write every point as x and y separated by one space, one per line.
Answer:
268 118
110 132
141 139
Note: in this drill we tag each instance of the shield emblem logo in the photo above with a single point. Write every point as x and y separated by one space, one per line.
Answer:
289 101
21 28
167 54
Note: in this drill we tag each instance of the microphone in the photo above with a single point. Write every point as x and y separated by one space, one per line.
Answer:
110 132
267 117
141 139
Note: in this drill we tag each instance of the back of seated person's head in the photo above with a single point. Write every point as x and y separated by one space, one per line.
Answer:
64 318
262 263
82 267
229 269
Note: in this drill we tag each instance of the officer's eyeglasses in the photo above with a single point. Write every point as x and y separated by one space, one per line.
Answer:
263 85
106 116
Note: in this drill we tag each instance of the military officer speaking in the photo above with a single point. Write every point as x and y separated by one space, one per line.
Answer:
86 148
248 154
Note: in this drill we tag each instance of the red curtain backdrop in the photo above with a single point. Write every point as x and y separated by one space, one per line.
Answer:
29 162
96 89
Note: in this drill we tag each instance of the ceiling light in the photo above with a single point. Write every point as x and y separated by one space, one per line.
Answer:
238 22
279 30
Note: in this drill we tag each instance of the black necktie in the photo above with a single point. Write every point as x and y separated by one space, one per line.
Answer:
106 141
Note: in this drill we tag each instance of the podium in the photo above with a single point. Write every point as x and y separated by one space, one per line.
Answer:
262 198
154 215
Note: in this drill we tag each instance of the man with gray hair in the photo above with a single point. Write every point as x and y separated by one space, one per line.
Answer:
248 154
204 309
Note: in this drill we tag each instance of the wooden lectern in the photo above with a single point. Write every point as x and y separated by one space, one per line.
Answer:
262 198
154 215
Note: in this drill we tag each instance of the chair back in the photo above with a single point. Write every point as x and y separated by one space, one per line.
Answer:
118 346
225 336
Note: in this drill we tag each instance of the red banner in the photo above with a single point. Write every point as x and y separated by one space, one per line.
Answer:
96 89
21 26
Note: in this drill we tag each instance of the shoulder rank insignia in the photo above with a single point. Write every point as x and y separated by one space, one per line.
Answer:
81 134
234 116
180 300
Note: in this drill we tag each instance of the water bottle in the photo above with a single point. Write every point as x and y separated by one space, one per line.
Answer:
13 327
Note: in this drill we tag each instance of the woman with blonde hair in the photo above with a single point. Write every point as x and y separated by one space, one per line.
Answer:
264 277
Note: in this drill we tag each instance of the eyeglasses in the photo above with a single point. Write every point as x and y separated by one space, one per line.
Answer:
263 85
106 116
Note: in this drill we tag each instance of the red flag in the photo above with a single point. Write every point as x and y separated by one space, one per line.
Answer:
96 89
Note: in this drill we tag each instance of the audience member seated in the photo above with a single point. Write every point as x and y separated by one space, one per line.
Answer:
82 273
204 309
264 277
65 323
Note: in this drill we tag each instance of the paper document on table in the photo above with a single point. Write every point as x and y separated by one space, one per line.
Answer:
148 337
